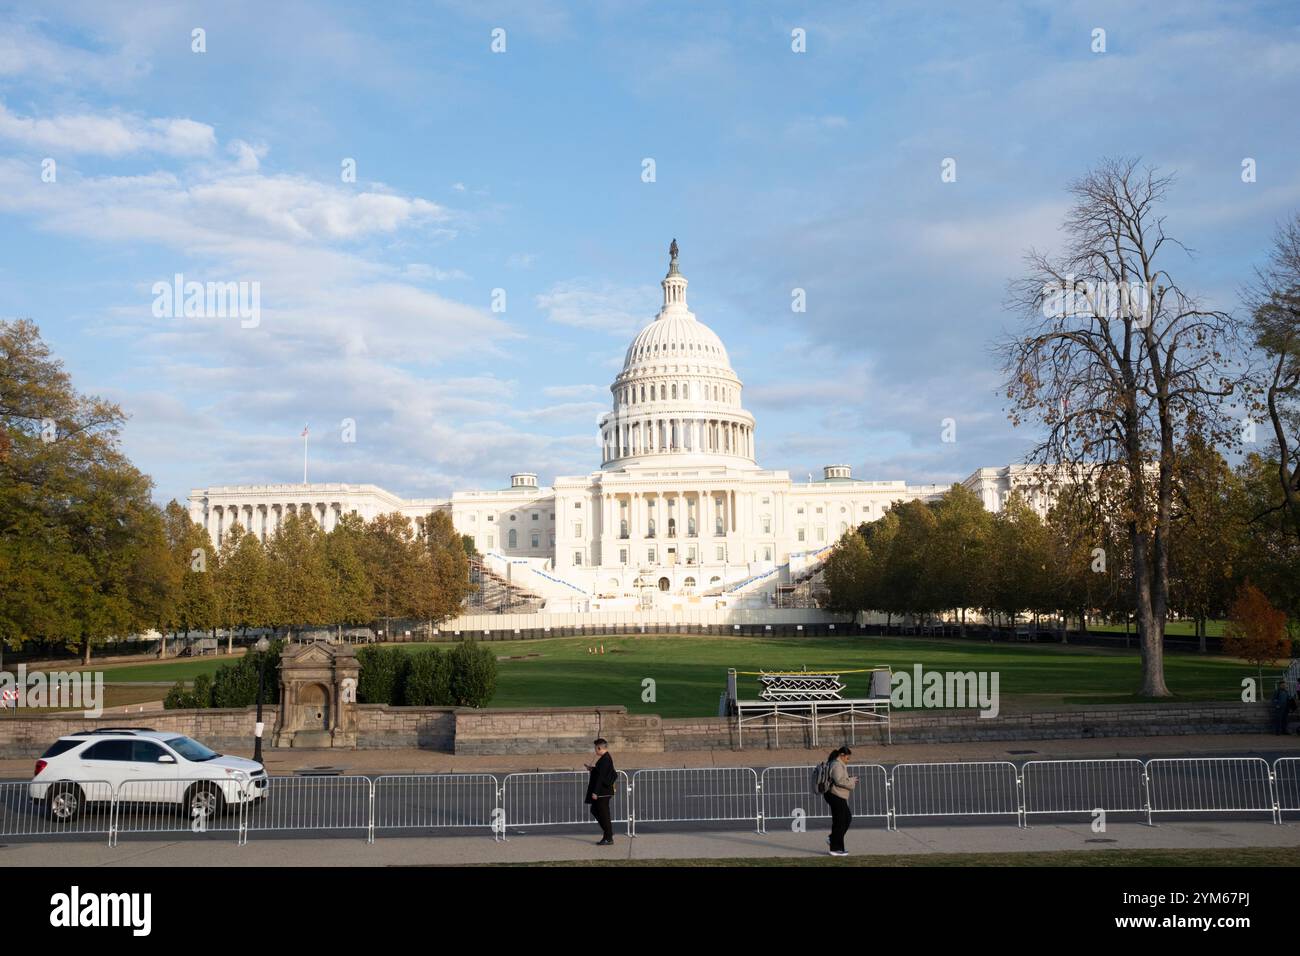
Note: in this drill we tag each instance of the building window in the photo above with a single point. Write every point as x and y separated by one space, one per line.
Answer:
534 515
722 553
536 541
650 555
514 539
492 542
801 536
492 517
767 501
690 555
622 555
767 524
689 583
819 510
821 534
577 558
577 529
798 511
512 517
577 504
767 553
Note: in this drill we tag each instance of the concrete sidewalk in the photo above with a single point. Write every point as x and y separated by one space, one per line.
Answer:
429 761
864 839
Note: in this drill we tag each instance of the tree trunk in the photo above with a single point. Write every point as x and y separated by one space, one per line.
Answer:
85 652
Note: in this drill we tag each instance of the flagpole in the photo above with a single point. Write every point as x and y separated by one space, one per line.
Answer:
304 456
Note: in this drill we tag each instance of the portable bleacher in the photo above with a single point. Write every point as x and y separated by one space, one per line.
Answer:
808 699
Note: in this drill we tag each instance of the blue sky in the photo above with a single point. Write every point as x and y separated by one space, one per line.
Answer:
522 171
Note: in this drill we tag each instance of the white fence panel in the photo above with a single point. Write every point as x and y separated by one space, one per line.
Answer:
557 798
1211 785
786 789
690 795
56 809
313 803
434 800
1286 778
975 789
1082 786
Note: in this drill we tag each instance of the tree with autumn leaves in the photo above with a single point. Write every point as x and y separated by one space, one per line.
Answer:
86 556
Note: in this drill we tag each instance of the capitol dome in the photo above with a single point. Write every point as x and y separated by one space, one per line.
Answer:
677 396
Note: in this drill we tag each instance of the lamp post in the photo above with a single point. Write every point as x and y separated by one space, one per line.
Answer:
261 647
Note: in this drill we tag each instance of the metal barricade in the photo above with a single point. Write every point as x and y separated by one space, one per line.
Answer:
975 789
1085 786
56 809
431 801
313 803
558 798
693 795
787 789
1212 785
175 805
1286 784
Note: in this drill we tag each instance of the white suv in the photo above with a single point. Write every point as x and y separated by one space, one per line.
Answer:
139 765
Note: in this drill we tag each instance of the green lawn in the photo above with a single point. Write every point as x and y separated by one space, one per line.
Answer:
690 672
1229 857
1175 628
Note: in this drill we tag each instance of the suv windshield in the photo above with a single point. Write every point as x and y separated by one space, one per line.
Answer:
191 749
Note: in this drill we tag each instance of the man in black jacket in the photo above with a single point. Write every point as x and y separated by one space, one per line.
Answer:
600 789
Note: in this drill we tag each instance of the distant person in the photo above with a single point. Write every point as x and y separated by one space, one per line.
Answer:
1282 704
600 789
839 789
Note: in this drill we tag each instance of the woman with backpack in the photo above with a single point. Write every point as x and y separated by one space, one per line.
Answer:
839 788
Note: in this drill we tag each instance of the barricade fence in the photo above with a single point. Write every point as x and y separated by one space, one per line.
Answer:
412 804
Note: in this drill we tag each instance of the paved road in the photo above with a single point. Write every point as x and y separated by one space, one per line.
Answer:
698 799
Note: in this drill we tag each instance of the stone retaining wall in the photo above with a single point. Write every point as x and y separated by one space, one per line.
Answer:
572 729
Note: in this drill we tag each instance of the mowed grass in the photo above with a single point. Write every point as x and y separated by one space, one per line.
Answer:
689 672
1216 857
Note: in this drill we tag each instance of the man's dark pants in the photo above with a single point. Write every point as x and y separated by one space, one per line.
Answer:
600 810
1279 720
841 819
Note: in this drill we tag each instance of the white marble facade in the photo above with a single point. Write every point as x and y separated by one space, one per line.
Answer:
679 508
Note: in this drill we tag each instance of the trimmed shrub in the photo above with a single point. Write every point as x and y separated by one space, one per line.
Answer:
202 691
383 672
235 683
428 679
178 698
473 675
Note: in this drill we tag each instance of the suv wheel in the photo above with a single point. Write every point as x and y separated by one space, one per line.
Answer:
64 802
204 800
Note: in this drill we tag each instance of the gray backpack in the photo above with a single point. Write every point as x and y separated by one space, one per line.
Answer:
821 778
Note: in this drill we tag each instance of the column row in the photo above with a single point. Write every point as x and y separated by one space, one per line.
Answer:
264 520
665 435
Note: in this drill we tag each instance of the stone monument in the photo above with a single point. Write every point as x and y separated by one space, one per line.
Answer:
318 696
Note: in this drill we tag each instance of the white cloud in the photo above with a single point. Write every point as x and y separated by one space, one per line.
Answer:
108 135
602 307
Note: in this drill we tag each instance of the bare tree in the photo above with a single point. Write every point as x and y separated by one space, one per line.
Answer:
1114 360
1274 303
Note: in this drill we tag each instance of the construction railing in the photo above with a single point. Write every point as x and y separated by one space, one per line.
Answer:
671 798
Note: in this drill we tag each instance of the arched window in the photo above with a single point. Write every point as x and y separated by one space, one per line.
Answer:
674 389
689 583
514 538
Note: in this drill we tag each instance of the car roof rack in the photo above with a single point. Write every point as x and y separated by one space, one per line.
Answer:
113 730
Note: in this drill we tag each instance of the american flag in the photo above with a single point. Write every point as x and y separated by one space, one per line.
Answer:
304 431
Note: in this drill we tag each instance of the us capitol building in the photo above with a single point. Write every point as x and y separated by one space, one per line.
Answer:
679 512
